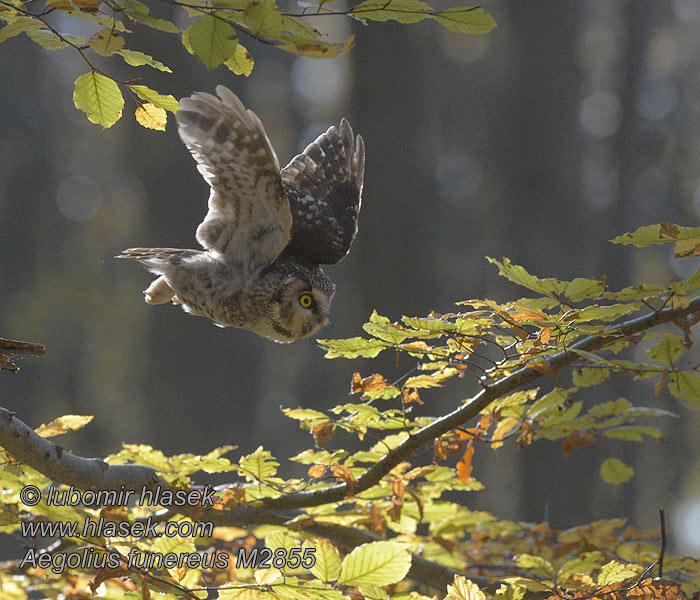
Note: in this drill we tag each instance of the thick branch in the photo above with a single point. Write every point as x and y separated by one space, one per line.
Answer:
22 442
472 408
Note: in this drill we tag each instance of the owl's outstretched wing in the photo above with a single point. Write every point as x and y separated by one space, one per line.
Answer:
249 219
324 185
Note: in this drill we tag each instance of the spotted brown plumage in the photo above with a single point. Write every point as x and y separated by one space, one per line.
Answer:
266 231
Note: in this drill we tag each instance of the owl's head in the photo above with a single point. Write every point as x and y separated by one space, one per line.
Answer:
300 303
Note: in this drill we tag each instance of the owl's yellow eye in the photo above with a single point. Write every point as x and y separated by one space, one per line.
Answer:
306 300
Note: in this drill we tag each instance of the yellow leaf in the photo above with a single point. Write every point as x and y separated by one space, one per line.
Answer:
151 116
63 425
241 63
502 429
464 589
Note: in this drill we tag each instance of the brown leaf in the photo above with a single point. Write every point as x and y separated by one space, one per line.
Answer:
344 475
323 432
145 591
653 589
299 524
377 522
367 384
408 396
577 440
116 514
419 502
544 336
668 230
527 433
103 575
316 471
541 367
464 466
398 487
660 383
446 447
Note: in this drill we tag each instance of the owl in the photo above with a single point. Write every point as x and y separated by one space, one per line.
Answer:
267 231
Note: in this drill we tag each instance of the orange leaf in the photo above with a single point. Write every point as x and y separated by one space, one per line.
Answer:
398 487
344 475
367 384
527 434
317 471
323 432
545 335
464 466
578 440
408 396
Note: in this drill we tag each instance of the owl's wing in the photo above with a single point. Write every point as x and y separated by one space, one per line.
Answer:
324 185
249 220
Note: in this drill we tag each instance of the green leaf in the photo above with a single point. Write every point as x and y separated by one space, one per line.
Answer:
139 12
353 347
241 63
580 289
403 11
327 565
167 102
20 25
667 350
376 563
213 40
685 385
611 408
538 565
435 379
614 471
106 42
50 41
518 274
138 59
259 465
318 48
661 233
466 20
589 376
99 97
614 572
264 19
586 564
604 313
634 433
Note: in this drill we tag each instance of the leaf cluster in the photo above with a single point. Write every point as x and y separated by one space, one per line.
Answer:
213 37
399 512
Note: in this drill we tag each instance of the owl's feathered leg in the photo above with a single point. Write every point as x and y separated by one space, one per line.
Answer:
159 292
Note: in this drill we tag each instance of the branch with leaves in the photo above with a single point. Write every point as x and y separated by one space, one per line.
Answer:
380 520
213 37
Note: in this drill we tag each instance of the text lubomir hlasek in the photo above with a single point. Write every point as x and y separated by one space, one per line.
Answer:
146 497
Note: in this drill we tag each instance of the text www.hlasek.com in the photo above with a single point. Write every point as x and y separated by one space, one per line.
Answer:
94 558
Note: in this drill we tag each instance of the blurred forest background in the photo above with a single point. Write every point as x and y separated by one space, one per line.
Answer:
569 124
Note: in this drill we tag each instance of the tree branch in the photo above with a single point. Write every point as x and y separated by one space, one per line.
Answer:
472 408
22 442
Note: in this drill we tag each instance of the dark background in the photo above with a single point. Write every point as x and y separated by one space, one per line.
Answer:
567 125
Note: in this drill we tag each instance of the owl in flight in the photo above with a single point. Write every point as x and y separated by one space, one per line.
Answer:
267 230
